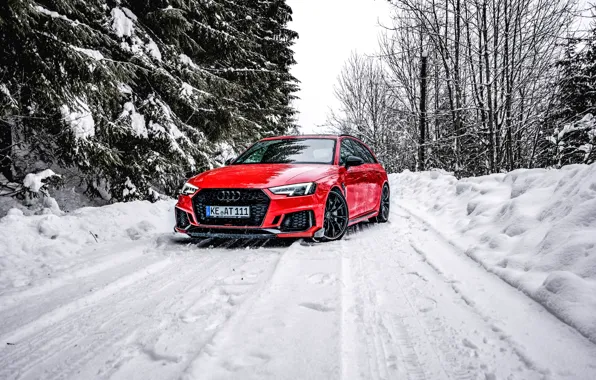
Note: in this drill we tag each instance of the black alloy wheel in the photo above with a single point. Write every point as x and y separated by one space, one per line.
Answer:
336 216
384 207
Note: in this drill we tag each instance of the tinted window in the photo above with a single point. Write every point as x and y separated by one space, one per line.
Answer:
289 151
347 150
364 153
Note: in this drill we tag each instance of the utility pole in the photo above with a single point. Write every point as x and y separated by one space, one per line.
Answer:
422 134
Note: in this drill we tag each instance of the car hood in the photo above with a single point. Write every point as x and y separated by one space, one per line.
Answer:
261 175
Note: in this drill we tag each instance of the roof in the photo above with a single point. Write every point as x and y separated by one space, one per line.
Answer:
317 136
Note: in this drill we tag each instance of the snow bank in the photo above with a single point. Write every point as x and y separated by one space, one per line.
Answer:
536 229
33 248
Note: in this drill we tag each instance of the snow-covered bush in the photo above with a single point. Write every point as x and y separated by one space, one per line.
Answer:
574 143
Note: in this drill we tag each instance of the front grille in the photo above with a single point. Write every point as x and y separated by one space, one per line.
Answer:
256 199
181 219
297 221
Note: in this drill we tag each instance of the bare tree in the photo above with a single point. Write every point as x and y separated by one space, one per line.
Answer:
369 109
490 67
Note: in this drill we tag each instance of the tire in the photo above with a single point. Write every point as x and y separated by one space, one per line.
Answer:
384 206
336 217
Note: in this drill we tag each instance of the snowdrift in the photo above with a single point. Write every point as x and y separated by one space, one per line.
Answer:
535 229
35 247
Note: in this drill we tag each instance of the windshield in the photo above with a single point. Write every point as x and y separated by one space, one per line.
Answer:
289 151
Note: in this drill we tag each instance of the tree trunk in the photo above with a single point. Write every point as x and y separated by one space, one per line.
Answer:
422 132
5 150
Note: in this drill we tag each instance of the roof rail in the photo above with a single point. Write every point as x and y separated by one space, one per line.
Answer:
348 135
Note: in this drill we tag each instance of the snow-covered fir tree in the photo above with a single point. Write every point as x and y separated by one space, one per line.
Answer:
131 96
572 127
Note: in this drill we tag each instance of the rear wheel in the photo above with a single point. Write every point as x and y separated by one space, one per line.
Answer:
384 207
336 217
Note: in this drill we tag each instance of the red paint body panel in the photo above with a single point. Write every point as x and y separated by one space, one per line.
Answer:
261 176
360 185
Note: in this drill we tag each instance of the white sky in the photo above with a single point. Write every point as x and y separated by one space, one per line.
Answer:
329 31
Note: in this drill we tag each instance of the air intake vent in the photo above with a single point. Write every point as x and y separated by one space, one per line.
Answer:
181 219
297 221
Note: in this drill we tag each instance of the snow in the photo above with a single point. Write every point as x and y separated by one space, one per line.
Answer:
137 121
80 120
111 292
186 90
93 54
53 14
5 91
124 88
39 248
34 181
123 22
129 188
588 125
533 228
153 50
186 60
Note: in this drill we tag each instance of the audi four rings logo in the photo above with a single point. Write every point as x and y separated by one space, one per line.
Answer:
228 196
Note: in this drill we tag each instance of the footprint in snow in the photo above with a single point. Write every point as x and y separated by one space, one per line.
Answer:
317 307
426 304
321 279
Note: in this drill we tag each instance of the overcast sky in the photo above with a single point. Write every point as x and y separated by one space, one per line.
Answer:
329 30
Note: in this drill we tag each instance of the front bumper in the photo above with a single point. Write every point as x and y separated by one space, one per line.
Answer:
272 227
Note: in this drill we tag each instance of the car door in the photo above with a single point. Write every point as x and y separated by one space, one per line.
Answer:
354 180
371 177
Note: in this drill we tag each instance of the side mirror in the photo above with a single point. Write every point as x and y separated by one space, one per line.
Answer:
229 161
354 161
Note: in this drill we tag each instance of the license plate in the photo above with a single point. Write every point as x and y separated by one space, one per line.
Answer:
228 212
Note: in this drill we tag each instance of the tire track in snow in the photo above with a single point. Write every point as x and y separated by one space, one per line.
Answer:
206 348
202 312
288 329
492 270
512 315
86 328
95 271
387 342
74 322
26 308
411 324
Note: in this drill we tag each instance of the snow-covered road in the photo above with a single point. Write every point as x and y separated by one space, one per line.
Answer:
394 301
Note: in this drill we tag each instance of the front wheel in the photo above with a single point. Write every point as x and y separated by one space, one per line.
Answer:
384 207
336 217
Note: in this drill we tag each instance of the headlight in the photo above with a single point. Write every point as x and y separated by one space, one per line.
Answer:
295 190
188 189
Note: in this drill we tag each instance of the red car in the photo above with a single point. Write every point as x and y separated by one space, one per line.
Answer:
287 187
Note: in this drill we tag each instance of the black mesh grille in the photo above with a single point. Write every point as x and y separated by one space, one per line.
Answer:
181 219
297 221
236 233
256 199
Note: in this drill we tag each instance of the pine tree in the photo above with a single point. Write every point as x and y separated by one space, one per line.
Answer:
572 126
133 95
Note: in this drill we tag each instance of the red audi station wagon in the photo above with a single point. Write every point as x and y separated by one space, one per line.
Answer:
312 186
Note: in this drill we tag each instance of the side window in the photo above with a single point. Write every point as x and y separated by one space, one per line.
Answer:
365 153
346 150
